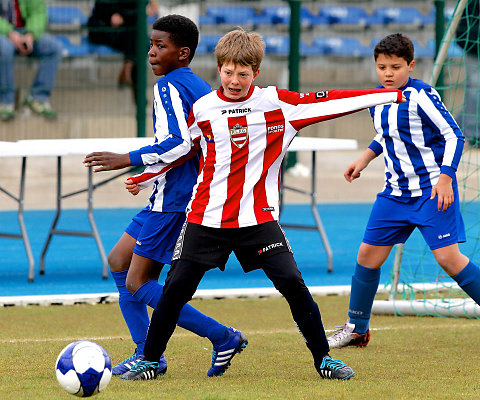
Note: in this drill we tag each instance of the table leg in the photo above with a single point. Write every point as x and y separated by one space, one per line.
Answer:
55 219
21 222
93 224
316 215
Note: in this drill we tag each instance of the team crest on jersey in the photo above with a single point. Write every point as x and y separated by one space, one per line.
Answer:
239 135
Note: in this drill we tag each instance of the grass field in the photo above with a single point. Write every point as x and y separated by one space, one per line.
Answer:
407 358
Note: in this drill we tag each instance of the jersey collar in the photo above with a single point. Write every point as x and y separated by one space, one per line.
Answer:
225 98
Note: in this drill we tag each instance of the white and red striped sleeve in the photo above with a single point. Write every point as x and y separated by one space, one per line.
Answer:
303 109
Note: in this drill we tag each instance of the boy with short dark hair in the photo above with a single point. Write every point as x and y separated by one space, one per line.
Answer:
422 145
147 244
244 132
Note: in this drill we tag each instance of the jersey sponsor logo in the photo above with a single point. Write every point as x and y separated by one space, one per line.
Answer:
239 135
270 247
237 111
446 235
268 209
322 94
276 128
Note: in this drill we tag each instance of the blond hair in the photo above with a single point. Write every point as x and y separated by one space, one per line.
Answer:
242 48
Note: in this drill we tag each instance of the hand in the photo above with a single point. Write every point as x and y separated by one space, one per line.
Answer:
443 189
18 40
404 99
106 161
116 20
133 188
353 170
28 42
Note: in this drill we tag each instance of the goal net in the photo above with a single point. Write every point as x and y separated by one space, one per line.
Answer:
418 286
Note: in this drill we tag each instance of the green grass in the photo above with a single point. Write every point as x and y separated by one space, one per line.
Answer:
407 358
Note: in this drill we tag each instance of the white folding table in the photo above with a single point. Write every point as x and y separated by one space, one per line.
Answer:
62 147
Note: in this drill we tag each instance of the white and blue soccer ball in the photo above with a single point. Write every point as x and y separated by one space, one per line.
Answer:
83 368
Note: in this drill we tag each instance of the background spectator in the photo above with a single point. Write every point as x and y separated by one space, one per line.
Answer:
22 31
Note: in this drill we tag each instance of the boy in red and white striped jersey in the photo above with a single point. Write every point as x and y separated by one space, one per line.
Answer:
244 131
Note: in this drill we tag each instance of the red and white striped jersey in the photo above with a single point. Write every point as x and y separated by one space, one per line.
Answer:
243 144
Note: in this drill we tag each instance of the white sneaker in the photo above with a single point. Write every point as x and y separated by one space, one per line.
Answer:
345 336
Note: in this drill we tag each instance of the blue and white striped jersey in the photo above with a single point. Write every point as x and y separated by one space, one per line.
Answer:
419 139
174 95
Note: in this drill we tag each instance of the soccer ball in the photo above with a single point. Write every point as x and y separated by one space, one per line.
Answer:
83 368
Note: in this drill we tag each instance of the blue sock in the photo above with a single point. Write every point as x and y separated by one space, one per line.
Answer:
134 312
190 318
364 287
469 280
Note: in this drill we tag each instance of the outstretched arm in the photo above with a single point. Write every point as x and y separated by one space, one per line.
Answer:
106 161
353 170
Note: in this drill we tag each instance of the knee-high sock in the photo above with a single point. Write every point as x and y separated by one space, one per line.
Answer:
134 312
469 280
180 285
190 318
364 287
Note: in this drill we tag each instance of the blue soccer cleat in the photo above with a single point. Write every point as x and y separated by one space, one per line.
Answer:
334 369
222 355
127 364
130 362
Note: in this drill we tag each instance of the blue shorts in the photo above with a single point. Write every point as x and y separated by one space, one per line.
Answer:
156 233
392 221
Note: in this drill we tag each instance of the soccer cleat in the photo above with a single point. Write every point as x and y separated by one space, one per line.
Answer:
222 355
334 369
345 336
42 108
145 370
130 362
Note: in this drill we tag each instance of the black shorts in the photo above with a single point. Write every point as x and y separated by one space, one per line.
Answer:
211 247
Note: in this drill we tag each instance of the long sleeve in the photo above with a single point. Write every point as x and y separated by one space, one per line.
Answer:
172 138
303 109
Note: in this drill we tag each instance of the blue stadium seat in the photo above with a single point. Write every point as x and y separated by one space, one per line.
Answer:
352 16
454 50
205 20
280 15
342 46
277 45
66 16
100 49
429 19
207 44
73 50
232 15
311 49
405 16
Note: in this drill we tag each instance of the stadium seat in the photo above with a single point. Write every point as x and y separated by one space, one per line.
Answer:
280 15
100 49
73 50
66 16
351 16
231 15
454 50
429 19
206 20
341 46
311 49
207 43
277 45
409 17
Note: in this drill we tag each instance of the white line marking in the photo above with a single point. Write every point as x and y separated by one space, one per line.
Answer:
473 324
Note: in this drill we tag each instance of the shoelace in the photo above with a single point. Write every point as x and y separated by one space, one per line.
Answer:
340 331
142 365
214 356
131 358
332 363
